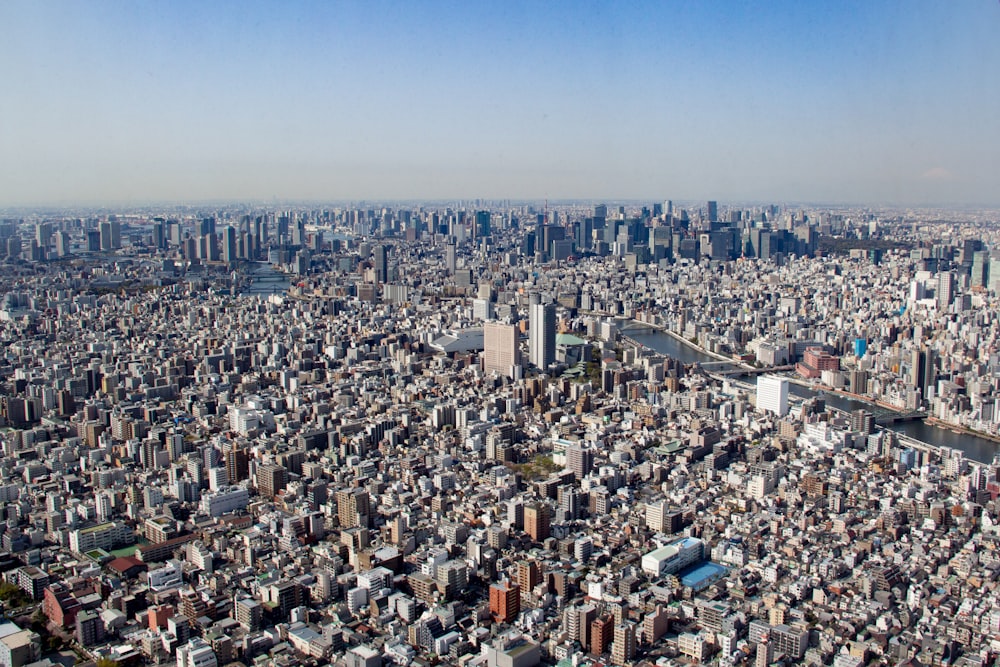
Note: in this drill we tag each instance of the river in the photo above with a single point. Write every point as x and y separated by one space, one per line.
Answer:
974 447
266 280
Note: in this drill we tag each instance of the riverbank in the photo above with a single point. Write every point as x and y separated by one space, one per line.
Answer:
961 430
693 346
975 447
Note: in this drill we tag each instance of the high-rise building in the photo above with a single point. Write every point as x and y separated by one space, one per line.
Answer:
62 243
923 369
505 601
43 234
111 235
482 224
237 464
542 330
862 421
980 268
229 245
772 394
945 289
529 575
353 508
271 479
381 255
500 348
536 521
601 634
450 261
623 646
713 211
580 460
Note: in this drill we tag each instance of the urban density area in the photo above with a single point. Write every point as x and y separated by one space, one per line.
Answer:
500 434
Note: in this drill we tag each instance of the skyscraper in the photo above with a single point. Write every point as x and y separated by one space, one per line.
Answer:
449 257
713 211
772 394
381 255
500 348
229 245
482 227
945 289
980 268
111 235
542 341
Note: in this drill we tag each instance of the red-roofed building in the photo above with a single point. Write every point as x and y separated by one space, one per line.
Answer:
127 567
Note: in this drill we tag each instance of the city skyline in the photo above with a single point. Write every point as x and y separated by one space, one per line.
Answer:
855 103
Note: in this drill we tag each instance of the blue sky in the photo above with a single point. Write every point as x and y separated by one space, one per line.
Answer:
854 102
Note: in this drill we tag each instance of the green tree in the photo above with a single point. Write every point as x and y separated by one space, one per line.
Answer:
12 595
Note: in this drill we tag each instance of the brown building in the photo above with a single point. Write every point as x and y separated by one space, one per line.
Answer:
353 508
237 465
536 521
271 479
505 601
529 575
602 632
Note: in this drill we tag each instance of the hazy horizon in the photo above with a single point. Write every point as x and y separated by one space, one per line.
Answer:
855 103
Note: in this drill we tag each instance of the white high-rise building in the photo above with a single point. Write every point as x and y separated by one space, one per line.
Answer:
542 340
500 348
772 394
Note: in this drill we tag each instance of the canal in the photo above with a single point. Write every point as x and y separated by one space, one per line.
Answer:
974 447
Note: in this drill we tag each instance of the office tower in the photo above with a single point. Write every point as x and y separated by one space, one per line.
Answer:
381 255
536 521
482 227
271 479
945 289
923 369
62 243
542 341
980 268
500 348
229 245
43 234
159 235
713 211
772 394
111 235
449 257
505 601
584 233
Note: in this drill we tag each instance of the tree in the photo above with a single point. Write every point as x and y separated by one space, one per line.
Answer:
12 595
107 662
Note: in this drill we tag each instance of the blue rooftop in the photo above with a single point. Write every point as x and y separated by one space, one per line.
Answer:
702 575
